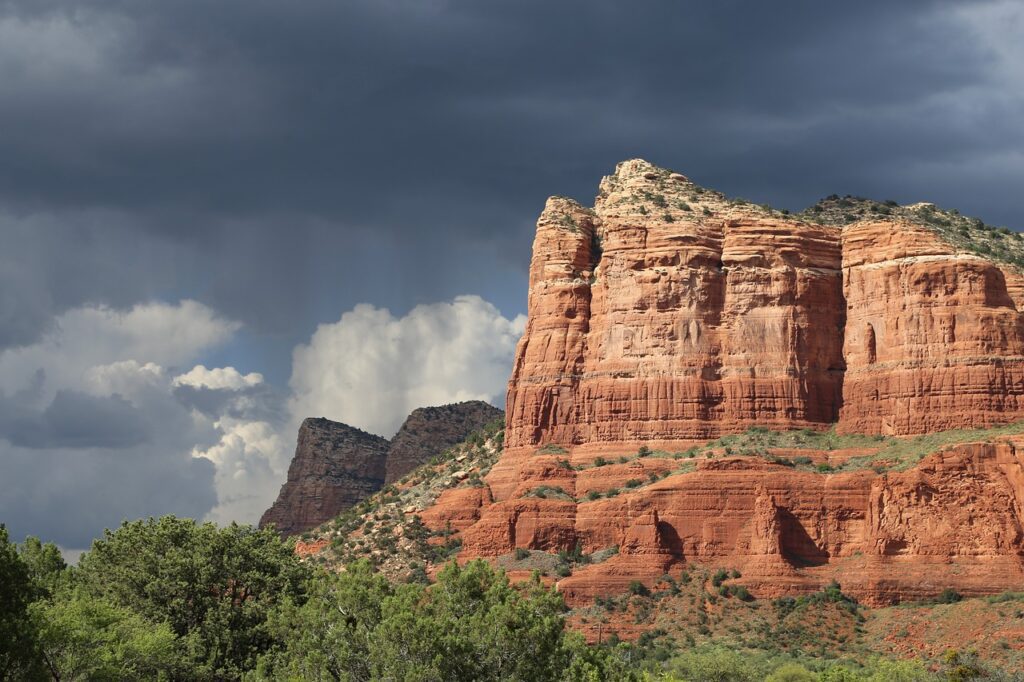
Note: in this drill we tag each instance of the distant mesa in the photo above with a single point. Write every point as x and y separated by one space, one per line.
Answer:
337 465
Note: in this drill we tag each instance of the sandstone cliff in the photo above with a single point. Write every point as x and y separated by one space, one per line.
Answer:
335 466
669 313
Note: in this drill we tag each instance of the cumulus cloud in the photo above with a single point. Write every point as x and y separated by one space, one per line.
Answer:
370 369
88 337
218 378
91 432
250 460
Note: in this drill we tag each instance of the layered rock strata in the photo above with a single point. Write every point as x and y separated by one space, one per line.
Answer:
954 520
669 313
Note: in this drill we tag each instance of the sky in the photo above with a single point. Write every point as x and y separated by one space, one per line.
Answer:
219 217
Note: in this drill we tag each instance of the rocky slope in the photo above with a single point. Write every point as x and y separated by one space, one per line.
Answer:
336 465
430 430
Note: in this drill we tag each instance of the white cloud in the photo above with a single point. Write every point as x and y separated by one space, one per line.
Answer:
370 369
88 337
250 459
218 378
124 377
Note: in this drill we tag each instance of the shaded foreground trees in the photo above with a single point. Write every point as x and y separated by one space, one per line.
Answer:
173 599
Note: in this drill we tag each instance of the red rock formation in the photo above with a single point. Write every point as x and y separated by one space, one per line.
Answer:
933 338
335 466
670 313
955 520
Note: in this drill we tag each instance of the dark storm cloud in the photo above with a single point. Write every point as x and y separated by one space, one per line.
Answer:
282 161
79 420
70 499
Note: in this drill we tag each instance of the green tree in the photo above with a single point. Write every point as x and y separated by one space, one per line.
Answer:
45 564
715 665
791 672
214 587
471 625
85 638
900 671
328 637
18 643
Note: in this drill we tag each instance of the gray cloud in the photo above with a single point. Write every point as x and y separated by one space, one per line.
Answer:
79 420
284 161
262 402
69 498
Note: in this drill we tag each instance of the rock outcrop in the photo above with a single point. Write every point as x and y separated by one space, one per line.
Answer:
335 466
669 313
429 430
955 520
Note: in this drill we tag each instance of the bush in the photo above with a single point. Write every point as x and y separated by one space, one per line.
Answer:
644 451
639 589
948 596
633 483
522 553
792 672
719 577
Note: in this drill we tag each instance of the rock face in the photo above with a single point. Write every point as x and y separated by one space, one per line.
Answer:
955 520
429 430
669 313
933 340
335 466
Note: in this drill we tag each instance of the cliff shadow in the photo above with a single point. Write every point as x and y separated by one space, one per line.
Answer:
797 545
